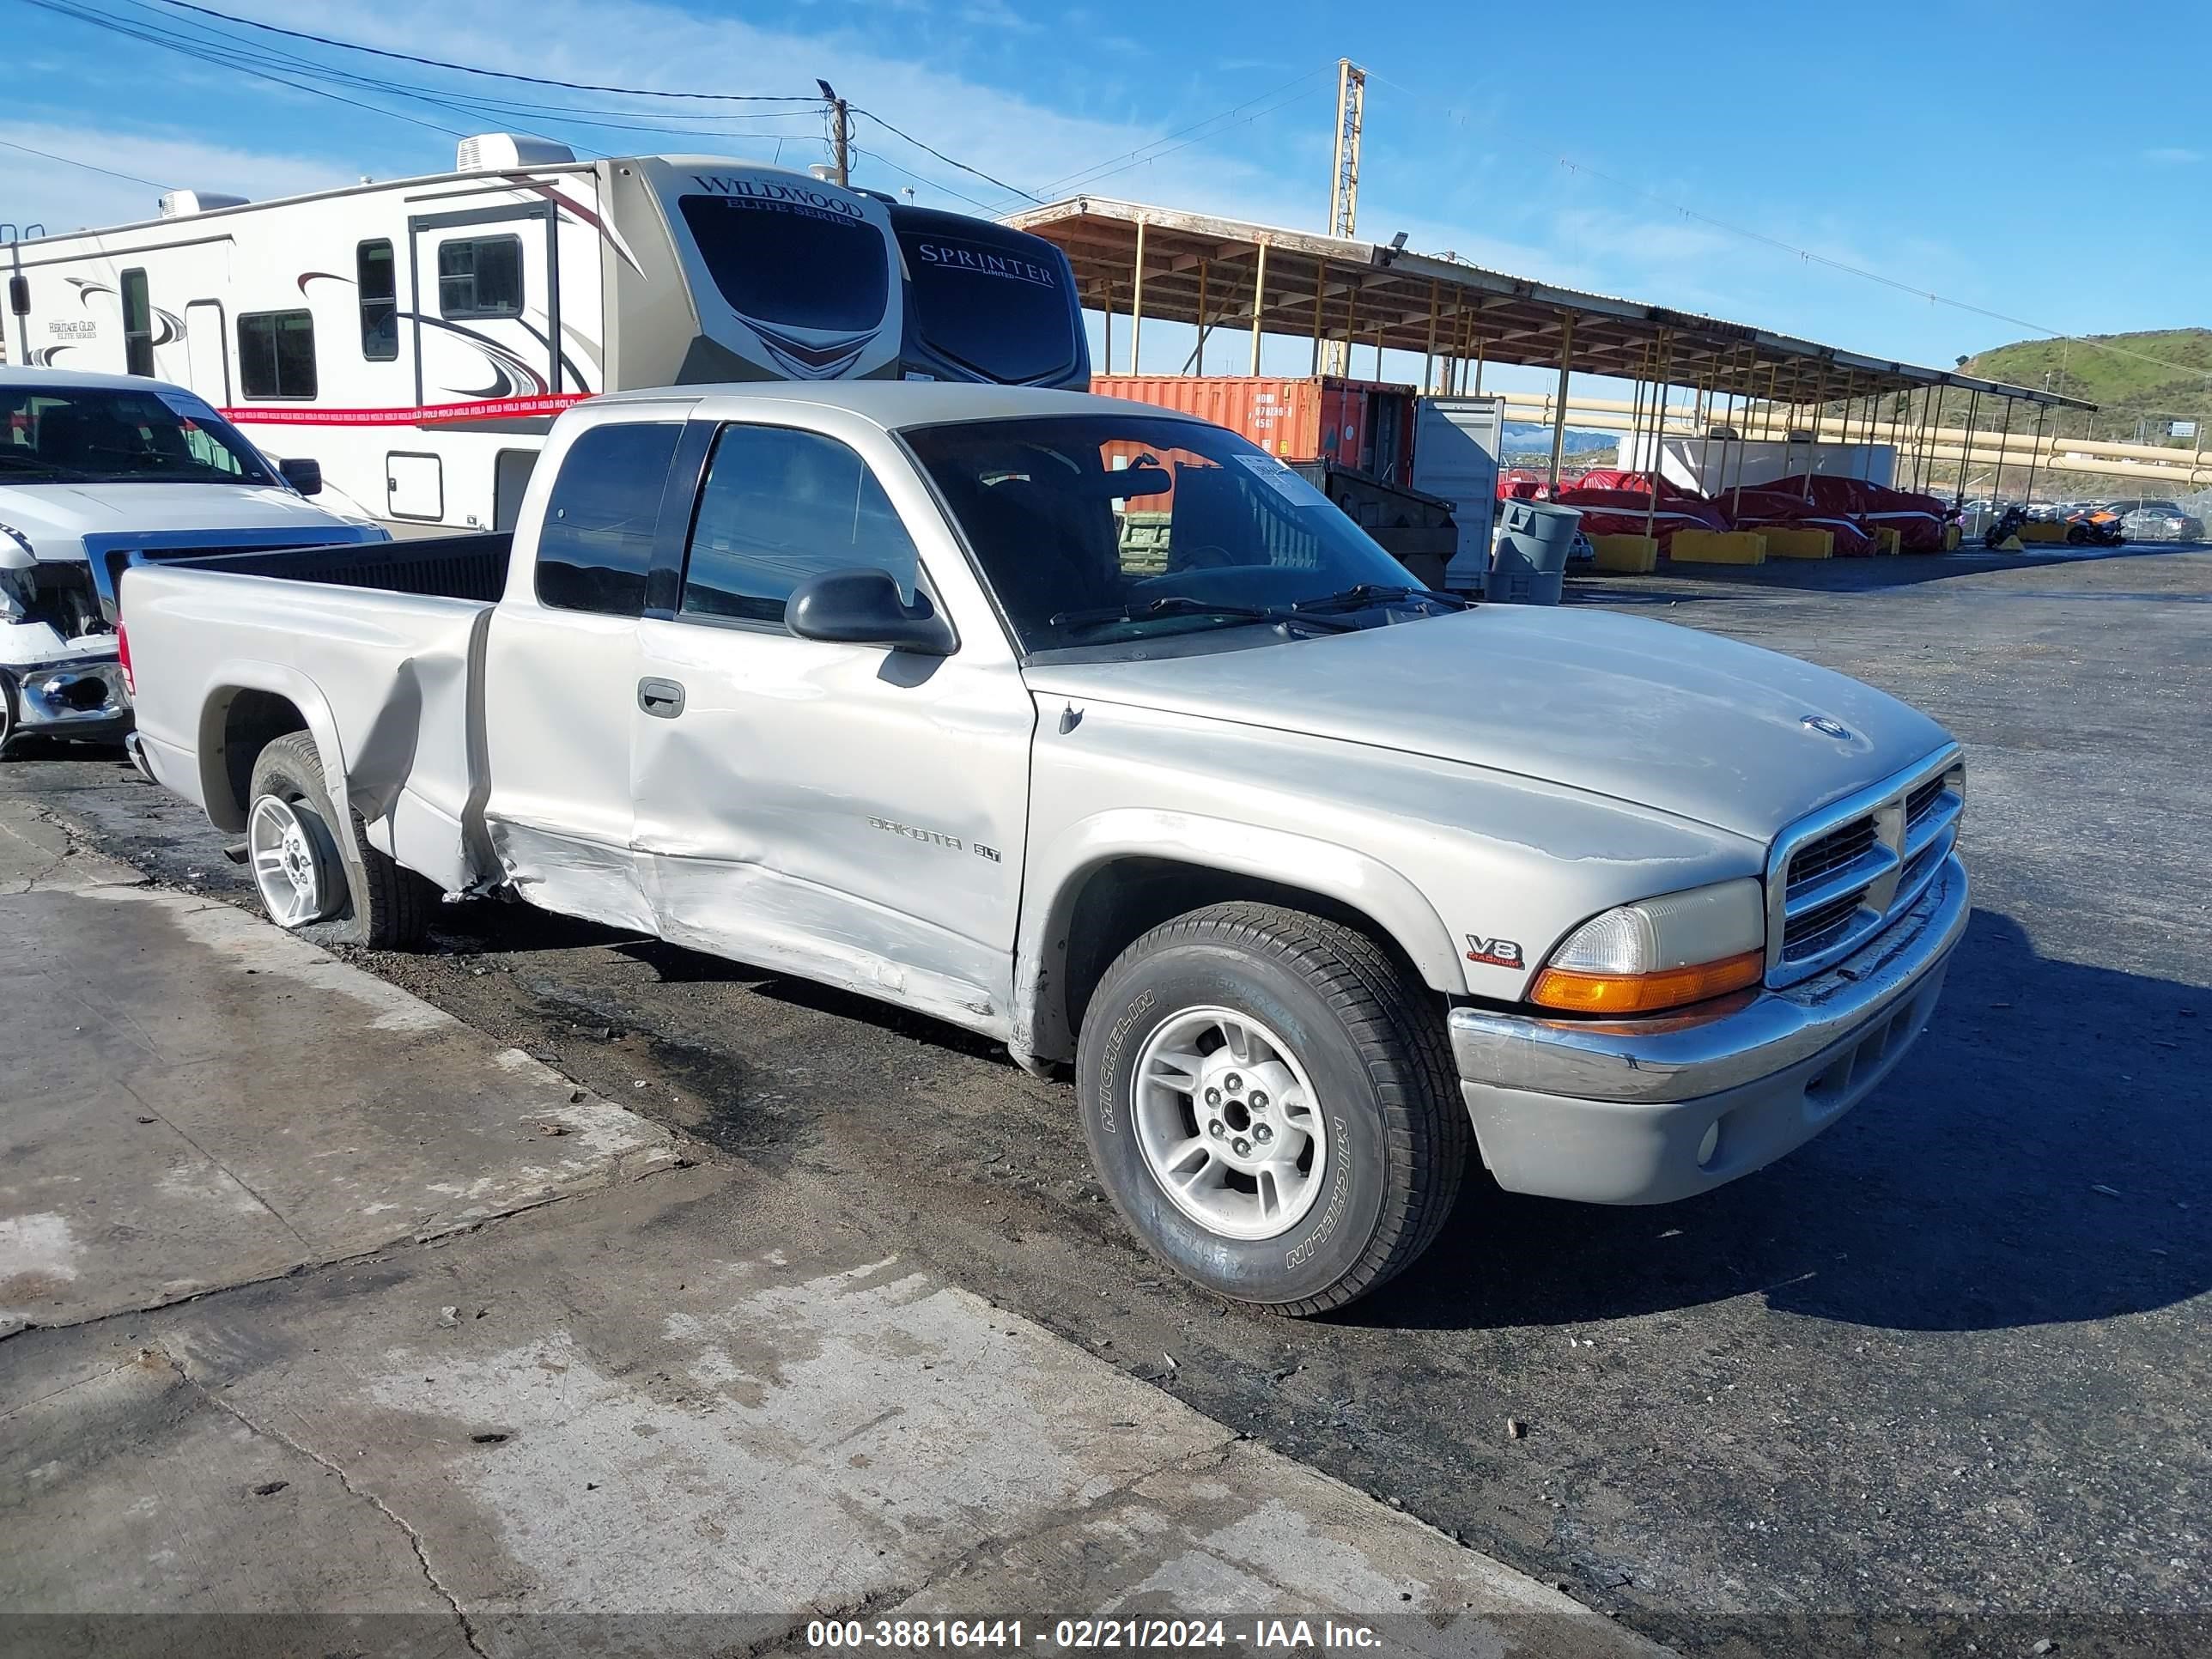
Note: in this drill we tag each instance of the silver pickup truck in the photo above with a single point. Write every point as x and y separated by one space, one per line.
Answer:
1095 729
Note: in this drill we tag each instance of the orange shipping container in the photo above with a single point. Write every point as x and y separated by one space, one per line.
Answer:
1364 424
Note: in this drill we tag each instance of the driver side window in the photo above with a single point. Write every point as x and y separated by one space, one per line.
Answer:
779 506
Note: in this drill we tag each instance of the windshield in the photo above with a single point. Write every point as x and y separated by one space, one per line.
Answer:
994 301
111 434
791 262
1077 518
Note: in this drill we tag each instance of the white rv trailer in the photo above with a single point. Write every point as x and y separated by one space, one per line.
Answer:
416 337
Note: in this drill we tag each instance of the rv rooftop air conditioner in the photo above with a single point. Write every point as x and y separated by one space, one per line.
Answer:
183 204
489 152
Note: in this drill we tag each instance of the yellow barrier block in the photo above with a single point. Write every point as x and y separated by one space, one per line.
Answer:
1718 547
1626 555
1886 540
2011 545
1799 543
2037 531
1950 538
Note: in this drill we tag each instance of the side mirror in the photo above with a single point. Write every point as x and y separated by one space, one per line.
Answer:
304 476
863 607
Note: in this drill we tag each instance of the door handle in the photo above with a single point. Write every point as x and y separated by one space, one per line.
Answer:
664 698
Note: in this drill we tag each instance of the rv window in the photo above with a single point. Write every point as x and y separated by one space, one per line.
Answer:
277 354
779 506
996 304
480 278
138 325
778 262
379 301
596 539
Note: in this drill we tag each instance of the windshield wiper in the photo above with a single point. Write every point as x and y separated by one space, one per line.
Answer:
43 466
1180 604
1362 594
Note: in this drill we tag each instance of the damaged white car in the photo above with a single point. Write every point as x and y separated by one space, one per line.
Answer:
93 466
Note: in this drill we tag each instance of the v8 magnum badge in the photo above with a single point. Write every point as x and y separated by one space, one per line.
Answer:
1496 952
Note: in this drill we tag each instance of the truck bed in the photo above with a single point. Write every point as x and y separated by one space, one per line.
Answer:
469 567
376 649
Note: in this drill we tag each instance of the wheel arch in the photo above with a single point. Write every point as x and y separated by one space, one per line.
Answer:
249 705
1115 876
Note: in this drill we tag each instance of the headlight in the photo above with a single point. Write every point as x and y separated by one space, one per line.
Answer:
1660 953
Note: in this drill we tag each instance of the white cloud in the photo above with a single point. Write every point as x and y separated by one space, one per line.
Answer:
66 197
2173 157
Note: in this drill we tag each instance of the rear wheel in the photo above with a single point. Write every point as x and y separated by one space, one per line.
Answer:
1268 1098
306 876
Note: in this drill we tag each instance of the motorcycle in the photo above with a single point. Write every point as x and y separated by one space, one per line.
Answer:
2007 525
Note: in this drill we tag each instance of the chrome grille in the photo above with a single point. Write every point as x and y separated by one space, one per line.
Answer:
1831 851
1835 879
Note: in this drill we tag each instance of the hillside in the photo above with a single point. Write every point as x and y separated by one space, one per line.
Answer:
2157 376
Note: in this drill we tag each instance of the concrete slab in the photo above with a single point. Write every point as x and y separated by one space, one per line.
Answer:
194 1099
1256 1539
689 1414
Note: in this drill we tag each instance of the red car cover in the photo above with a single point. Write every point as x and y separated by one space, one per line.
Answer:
1625 511
1620 504
1851 507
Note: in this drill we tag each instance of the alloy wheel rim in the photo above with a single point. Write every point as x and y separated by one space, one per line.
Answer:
287 867
1228 1123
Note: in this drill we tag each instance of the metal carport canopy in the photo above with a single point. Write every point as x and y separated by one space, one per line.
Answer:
1200 269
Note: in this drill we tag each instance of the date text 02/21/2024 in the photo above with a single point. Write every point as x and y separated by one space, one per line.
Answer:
1086 1634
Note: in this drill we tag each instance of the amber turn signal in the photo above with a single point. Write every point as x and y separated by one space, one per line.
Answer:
1646 994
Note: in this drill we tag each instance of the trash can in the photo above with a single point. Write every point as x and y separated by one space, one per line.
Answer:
1533 541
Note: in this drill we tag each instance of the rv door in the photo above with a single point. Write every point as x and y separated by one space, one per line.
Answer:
487 304
207 359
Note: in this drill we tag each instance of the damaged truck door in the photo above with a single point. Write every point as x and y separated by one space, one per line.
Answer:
825 806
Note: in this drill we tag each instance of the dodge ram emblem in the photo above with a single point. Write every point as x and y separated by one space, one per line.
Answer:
1826 727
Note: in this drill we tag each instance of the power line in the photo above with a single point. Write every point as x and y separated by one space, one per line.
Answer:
503 75
905 172
1843 266
1107 171
1120 164
1011 189
120 26
71 161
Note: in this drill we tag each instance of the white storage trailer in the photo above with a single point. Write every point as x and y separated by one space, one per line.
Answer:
416 337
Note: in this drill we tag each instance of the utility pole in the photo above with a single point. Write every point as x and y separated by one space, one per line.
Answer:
840 134
1344 177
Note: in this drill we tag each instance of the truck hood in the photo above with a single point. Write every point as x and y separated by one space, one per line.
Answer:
1673 718
58 518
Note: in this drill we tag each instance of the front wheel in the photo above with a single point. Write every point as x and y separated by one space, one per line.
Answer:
1268 1098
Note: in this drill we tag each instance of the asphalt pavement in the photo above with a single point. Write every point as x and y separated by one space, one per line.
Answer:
1936 1382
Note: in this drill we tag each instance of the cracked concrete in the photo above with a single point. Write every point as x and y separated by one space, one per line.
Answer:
334 1342
193 1100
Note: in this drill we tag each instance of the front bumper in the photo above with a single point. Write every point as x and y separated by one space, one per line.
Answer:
1619 1113
80 697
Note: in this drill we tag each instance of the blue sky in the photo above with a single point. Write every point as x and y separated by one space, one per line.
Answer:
2028 159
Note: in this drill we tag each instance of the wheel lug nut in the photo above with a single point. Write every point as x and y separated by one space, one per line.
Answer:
1233 1082
1259 1100
1262 1133
1215 1129
1213 1097
1242 1147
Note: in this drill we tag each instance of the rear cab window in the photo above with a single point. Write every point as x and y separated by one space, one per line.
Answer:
595 545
